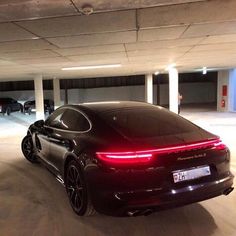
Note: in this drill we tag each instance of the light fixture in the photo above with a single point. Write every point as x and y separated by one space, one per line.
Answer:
144 156
157 73
87 9
92 67
204 70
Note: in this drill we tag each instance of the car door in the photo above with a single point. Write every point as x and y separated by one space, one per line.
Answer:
43 138
73 124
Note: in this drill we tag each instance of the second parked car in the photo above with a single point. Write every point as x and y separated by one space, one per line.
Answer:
8 105
29 106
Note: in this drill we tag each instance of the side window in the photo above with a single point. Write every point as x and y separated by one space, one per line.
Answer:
55 119
74 121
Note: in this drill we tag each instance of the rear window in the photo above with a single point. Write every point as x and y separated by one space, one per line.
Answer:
143 122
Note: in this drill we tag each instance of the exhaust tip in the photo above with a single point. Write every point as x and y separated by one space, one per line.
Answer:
145 212
228 191
133 213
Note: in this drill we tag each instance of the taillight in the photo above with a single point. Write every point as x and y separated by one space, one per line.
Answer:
219 145
126 157
215 143
135 157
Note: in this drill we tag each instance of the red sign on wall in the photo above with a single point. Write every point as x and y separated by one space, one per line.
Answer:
224 90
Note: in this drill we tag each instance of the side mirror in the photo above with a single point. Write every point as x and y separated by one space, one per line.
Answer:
39 123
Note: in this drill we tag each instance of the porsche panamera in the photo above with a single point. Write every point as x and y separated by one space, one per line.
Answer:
129 158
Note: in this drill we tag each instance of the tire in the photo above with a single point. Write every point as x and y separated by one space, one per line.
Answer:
77 190
50 111
21 109
28 149
8 111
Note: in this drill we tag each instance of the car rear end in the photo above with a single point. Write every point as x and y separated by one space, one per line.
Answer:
4 102
48 106
29 107
165 162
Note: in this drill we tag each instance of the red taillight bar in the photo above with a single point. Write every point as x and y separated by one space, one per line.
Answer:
125 157
145 156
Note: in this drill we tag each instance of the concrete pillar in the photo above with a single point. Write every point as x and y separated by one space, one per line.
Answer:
39 103
149 88
65 92
173 89
56 93
232 90
226 90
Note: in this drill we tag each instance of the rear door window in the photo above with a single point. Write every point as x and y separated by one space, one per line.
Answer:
54 120
74 120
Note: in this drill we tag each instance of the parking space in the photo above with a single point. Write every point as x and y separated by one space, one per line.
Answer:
219 123
15 124
34 203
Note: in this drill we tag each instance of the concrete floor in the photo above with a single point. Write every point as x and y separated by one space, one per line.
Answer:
32 202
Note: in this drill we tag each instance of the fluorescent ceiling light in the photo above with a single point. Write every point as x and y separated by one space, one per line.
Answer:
92 67
35 37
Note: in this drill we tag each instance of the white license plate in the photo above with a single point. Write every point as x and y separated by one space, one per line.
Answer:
189 174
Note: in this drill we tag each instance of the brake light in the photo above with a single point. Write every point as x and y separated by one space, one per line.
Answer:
131 157
126 157
219 145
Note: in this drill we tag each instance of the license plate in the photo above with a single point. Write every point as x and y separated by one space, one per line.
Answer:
194 173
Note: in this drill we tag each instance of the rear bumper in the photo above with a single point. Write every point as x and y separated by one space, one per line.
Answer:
33 109
119 203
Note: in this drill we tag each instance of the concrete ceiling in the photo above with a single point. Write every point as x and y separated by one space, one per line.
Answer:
41 37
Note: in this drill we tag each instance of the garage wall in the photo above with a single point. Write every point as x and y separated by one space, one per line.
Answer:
192 93
227 78
130 93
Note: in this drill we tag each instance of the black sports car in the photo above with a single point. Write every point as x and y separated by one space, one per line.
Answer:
129 158
8 105
29 106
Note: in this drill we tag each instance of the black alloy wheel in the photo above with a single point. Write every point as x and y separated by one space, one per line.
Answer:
28 149
77 190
